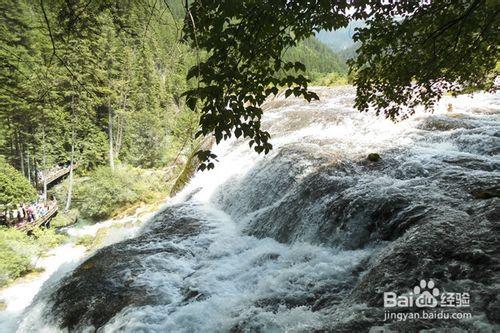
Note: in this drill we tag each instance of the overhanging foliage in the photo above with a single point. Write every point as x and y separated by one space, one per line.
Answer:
411 52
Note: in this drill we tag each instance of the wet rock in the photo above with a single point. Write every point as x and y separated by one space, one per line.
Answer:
192 295
411 169
444 123
486 194
393 218
472 163
476 257
106 283
93 294
373 157
278 175
265 258
458 254
493 308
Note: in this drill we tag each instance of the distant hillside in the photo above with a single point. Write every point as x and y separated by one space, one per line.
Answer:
176 8
317 57
340 39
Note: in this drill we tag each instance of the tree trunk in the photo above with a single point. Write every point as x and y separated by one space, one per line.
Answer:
70 179
21 155
29 169
35 165
119 134
110 134
44 167
120 123
12 139
72 158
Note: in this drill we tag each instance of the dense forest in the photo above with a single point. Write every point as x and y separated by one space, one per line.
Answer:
318 58
108 87
104 89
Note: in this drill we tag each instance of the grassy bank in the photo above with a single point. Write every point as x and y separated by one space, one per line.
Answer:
331 80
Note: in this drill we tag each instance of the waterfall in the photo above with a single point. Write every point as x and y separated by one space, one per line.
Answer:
305 238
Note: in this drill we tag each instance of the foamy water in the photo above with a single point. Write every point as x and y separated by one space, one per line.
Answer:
280 237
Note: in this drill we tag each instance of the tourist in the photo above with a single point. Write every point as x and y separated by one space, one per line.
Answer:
20 213
31 216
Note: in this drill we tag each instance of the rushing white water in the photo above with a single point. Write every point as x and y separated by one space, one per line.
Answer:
339 130
236 270
274 243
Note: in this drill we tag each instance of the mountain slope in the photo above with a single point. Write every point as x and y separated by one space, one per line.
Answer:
317 57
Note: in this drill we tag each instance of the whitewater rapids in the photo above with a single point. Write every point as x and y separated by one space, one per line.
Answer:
308 237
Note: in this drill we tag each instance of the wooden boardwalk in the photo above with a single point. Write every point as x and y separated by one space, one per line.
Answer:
57 174
29 226
40 221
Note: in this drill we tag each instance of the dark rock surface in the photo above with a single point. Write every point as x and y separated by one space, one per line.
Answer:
425 228
460 254
105 284
373 157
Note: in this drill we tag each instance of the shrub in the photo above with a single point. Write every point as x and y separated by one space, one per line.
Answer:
106 191
85 240
64 219
18 250
46 239
332 79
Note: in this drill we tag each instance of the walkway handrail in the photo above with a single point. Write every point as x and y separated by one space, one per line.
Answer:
59 173
41 220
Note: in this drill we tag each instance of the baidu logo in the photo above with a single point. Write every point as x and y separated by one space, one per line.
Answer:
428 298
426 295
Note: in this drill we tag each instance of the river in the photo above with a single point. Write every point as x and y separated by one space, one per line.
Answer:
308 237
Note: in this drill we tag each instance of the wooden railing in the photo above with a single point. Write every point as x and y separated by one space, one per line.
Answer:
57 174
39 221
